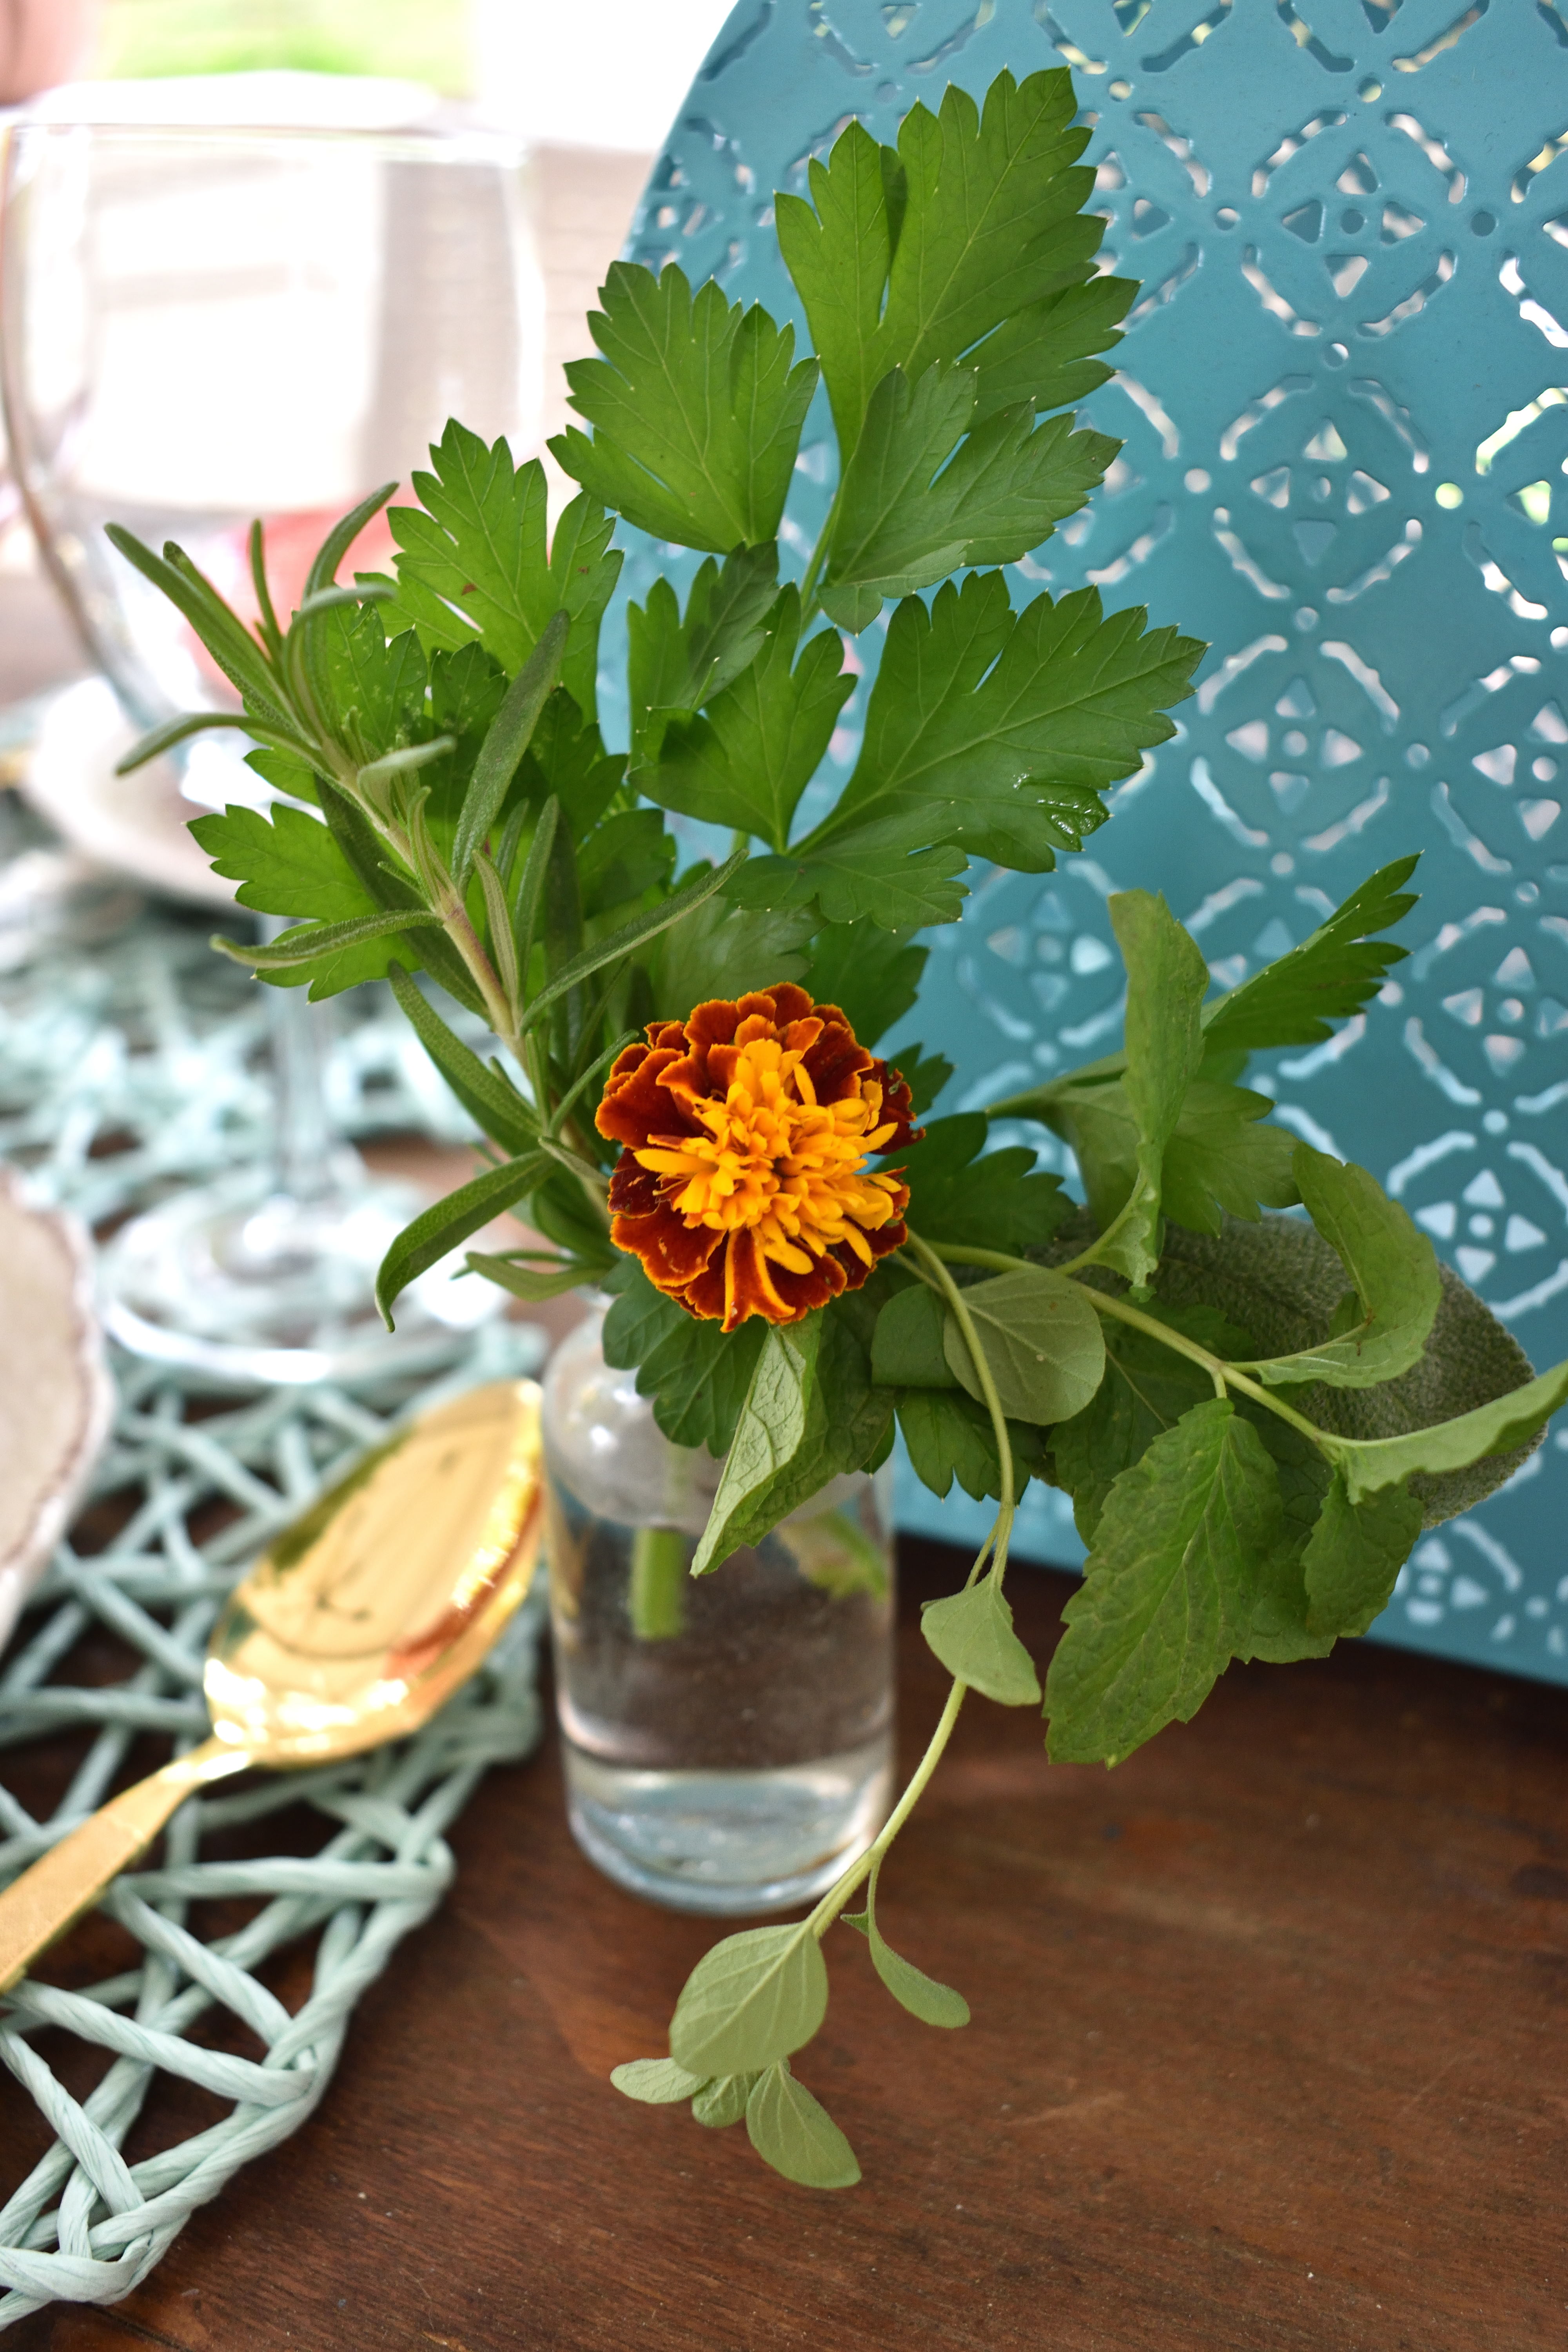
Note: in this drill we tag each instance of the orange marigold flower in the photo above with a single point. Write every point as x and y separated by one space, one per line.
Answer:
742 1186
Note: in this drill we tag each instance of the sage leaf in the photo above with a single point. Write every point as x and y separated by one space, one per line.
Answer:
793 2133
1392 1264
1370 1464
751 1999
972 1633
722 2102
1169 1588
657 2082
1354 1554
1042 1339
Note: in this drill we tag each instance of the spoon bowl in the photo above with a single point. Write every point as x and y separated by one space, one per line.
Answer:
353 1627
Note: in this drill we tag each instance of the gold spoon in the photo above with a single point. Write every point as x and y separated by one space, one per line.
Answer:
353 1627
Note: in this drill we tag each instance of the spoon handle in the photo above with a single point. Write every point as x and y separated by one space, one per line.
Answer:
70 1878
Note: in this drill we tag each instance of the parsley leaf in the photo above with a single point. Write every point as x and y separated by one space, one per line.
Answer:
747 760
961 1194
918 502
288 863
719 950
1293 1000
678 661
696 410
874 871
870 976
1014 722
697 1378
472 560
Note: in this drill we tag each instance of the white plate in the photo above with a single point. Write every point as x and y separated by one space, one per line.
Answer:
55 1397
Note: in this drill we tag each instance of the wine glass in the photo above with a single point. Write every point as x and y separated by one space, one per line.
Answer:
198 326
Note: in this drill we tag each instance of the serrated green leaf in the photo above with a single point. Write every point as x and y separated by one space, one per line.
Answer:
441 1227
976 232
918 501
657 2082
626 939
722 2102
1370 1465
793 2133
287 863
696 409
678 661
872 978
1169 1589
1392 1265
1166 981
489 1100
720 949
970 1198
747 760
873 874
750 2001
907 1351
1293 1000
972 1633
629 853
1355 1555
1041 1338
566 760
695 1376
1223 1158
472 560
1146 1389
925 1074
1018 721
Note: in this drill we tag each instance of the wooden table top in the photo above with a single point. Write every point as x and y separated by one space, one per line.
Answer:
1266 2054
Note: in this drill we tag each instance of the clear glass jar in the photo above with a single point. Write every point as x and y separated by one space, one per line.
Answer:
728 1738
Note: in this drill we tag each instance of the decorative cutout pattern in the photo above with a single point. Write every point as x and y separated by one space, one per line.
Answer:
1372 538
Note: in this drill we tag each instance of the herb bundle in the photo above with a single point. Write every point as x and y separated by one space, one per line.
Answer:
1254 1414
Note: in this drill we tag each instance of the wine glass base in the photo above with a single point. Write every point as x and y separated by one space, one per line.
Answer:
245 1283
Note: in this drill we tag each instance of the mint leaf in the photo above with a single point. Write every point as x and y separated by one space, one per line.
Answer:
922 1995
288 863
696 410
1014 722
793 2133
1169 1589
1370 1465
972 1633
472 562
924 494
970 1198
1393 1269
719 950
870 976
1146 1389
1041 1338
1293 1000
873 873
678 661
1354 1554
722 2102
746 761
749 2001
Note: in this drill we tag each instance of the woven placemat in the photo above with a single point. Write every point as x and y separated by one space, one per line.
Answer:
85 2225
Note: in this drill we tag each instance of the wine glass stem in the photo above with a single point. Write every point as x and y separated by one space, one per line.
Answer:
306 1146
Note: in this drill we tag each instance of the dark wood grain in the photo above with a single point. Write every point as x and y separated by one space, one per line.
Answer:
1267 2054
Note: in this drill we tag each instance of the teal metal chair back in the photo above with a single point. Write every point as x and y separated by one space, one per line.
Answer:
1343 400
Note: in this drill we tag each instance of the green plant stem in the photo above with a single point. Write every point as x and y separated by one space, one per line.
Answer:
838 1895
1120 1310
951 1292
809 606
